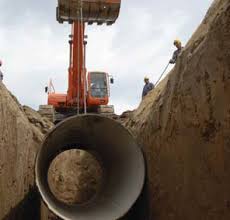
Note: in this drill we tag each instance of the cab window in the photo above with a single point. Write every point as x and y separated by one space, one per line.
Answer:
98 85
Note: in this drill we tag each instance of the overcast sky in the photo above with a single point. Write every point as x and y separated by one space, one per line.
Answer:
34 47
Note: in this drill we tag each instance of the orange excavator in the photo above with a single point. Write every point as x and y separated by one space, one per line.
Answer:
113 146
87 92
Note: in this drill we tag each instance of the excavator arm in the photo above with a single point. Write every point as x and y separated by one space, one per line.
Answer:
105 139
88 11
80 95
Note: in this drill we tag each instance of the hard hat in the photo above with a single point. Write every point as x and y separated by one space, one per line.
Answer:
177 41
146 78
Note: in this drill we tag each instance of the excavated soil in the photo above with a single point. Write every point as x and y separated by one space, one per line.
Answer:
21 133
184 128
75 177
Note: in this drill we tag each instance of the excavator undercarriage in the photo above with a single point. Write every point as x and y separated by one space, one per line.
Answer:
49 112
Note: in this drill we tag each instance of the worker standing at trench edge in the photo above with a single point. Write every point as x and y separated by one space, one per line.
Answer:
1 74
178 45
147 87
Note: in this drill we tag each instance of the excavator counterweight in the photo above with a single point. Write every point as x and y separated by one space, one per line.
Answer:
88 11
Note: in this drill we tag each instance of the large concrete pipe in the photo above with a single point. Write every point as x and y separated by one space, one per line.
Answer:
115 148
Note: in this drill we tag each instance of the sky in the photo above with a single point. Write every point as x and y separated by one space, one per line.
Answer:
34 46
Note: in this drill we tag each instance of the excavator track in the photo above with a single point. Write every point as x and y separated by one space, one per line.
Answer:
47 111
105 110
88 11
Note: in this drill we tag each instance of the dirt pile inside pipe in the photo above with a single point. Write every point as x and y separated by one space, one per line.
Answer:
75 177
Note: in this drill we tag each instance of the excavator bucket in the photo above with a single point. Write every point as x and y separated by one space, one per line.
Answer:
89 11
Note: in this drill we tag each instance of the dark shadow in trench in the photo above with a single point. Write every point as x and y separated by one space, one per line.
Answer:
140 210
27 209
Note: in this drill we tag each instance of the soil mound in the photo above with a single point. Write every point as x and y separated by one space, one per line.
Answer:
184 127
21 132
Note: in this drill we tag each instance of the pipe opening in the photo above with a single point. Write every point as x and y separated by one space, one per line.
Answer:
75 177
120 180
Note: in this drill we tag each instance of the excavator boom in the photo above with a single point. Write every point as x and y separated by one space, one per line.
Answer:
109 143
88 11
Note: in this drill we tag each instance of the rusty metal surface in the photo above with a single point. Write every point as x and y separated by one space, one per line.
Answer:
93 11
121 158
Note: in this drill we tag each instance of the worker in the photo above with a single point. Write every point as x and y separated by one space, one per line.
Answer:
178 45
147 87
1 74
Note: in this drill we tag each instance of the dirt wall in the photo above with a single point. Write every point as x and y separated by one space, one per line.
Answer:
184 128
20 139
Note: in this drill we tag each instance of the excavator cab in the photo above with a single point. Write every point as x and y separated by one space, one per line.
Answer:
98 88
88 11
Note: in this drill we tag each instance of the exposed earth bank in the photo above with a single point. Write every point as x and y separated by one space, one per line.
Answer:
184 128
21 132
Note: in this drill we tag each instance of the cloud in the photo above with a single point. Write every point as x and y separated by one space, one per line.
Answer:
34 47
